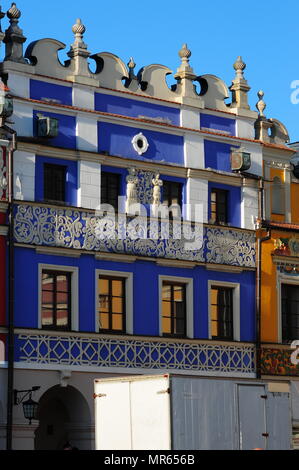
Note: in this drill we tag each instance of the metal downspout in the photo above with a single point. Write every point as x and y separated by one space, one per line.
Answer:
10 372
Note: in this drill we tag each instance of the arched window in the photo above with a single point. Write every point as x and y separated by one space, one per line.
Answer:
277 196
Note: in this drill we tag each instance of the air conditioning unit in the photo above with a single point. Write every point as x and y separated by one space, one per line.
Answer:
47 127
239 160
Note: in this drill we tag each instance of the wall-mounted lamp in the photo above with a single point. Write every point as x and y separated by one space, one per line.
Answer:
30 406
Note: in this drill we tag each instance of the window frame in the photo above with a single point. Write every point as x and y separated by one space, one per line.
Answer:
74 301
226 193
128 277
110 313
236 308
173 317
189 317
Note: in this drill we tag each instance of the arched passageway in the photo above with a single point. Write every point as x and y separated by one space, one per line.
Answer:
64 416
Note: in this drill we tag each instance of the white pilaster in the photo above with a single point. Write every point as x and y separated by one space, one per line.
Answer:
89 184
245 128
194 154
197 194
256 153
87 134
83 97
19 85
22 117
24 176
249 207
190 119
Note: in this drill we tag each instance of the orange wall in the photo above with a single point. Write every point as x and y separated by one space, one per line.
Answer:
268 293
295 202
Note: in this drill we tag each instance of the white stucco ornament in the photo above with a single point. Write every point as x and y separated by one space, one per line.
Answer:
140 143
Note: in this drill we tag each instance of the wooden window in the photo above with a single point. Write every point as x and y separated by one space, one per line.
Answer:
290 312
112 304
222 312
173 309
110 189
56 300
219 198
54 182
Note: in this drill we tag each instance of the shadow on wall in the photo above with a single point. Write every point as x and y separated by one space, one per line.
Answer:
64 416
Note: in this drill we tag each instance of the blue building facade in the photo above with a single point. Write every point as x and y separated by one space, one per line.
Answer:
115 290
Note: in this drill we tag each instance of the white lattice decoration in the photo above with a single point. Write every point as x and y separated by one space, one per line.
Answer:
107 352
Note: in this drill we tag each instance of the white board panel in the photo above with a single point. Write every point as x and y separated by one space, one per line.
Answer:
150 414
112 416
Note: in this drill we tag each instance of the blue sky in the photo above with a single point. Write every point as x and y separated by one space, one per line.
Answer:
265 34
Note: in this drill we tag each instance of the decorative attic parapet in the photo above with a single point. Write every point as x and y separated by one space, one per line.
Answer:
14 38
270 130
41 58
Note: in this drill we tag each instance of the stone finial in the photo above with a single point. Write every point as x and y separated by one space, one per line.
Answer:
239 67
239 86
261 105
14 38
131 65
78 30
14 13
185 53
262 125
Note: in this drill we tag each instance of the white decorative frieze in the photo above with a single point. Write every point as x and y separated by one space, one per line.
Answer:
71 228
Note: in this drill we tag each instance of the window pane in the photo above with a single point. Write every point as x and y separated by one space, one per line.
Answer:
178 293
117 322
47 282
47 317
54 182
117 305
62 318
104 321
62 300
62 283
166 325
214 332
104 303
104 286
179 326
117 288
166 292
166 309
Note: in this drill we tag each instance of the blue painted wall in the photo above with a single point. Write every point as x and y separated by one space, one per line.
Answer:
217 155
117 140
218 123
134 108
71 178
67 130
234 202
145 285
49 91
